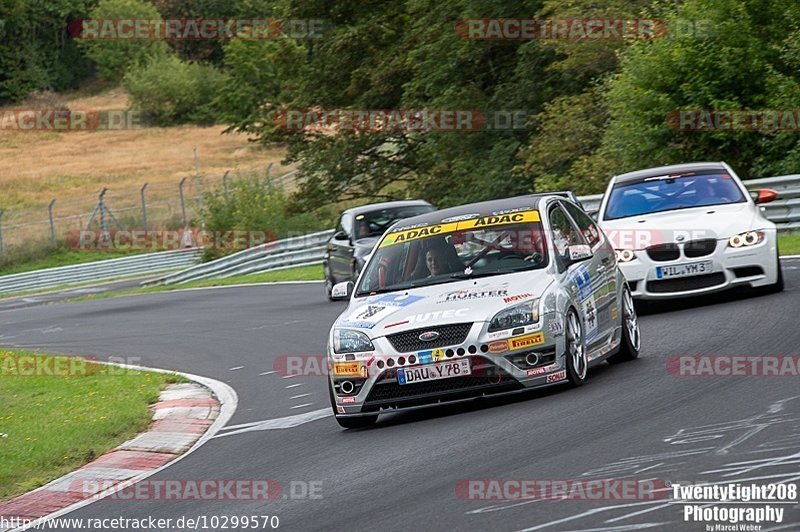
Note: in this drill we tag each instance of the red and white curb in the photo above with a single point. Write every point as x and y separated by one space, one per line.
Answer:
186 416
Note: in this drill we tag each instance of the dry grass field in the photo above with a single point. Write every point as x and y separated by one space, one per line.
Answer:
74 166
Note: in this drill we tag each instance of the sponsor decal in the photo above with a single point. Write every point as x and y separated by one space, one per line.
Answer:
556 327
396 300
499 334
348 399
477 292
583 280
498 346
558 376
529 340
340 409
406 235
339 290
590 317
437 315
518 297
349 369
429 356
460 218
614 312
541 371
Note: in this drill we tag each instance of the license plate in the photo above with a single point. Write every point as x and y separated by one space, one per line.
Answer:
433 372
684 270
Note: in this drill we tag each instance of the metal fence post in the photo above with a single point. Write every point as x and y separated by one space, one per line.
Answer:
144 206
104 234
1 232
52 226
183 203
225 184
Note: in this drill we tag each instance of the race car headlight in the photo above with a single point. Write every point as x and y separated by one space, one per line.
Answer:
750 238
625 255
350 341
516 316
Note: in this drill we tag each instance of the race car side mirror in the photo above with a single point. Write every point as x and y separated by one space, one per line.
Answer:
764 195
342 290
579 253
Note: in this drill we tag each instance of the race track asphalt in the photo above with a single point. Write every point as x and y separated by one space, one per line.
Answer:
631 421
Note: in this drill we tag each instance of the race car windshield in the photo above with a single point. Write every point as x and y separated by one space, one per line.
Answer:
672 192
440 254
375 223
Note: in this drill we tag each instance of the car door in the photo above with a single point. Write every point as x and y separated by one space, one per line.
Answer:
585 279
340 249
605 263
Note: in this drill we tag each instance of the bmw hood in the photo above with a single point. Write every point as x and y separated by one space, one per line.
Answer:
714 221
470 300
364 246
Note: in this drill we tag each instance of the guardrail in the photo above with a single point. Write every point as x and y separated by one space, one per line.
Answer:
785 211
290 252
99 270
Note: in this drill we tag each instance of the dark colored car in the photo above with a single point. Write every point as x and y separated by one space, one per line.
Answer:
357 233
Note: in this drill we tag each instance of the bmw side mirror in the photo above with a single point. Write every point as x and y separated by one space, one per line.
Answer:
579 253
340 235
342 290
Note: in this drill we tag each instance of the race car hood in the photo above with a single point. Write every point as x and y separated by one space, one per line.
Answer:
455 302
715 221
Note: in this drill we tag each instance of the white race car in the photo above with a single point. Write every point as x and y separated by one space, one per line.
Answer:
483 299
690 229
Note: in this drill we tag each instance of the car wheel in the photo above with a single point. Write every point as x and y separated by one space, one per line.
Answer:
328 284
631 336
351 422
577 364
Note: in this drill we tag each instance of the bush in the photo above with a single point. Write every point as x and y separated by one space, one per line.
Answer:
253 205
115 57
169 91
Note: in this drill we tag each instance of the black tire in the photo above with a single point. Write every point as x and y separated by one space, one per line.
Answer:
631 343
328 284
577 364
351 422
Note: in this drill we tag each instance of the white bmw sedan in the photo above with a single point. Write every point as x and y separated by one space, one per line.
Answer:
690 229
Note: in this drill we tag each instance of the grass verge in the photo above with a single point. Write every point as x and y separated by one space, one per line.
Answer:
52 424
302 273
789 243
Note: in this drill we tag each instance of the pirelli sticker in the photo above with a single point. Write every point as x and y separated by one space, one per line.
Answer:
481 222
529 340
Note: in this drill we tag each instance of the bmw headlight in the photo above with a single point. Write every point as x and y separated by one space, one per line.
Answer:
750 238
516 316
625 255
350 341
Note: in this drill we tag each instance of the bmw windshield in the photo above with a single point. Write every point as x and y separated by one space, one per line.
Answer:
375 223
672 192
479 246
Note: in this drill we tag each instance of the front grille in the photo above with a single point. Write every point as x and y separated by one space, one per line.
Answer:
486 378
663 252
686 283
408 341
700 248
